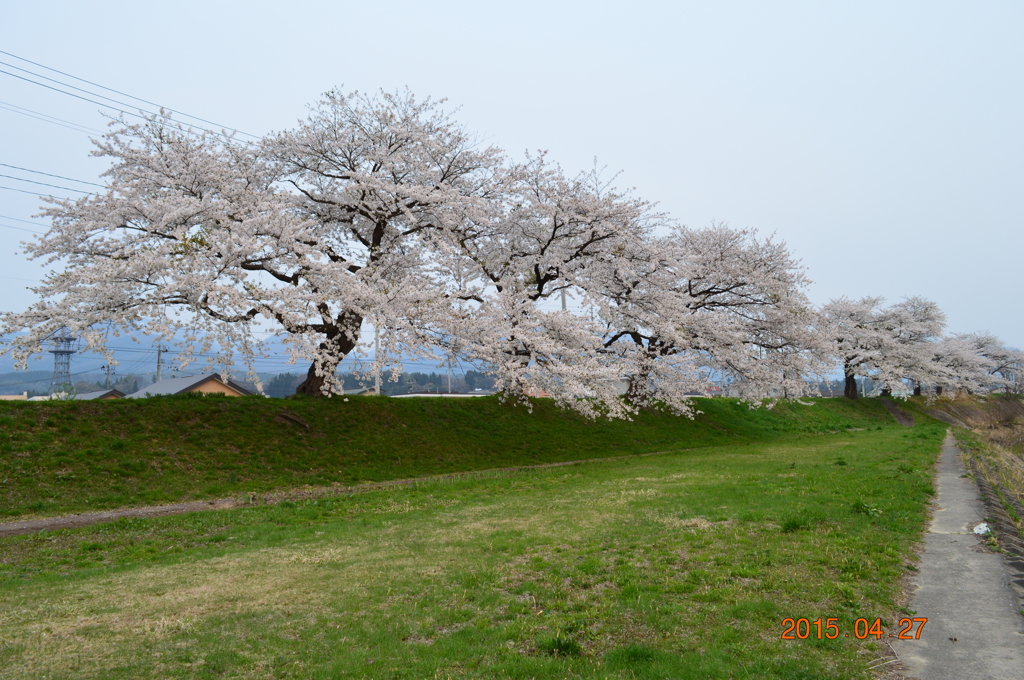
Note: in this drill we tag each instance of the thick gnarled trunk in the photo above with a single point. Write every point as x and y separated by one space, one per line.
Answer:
341 340
313 385
850 392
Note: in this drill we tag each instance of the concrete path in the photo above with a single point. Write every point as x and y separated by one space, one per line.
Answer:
964 591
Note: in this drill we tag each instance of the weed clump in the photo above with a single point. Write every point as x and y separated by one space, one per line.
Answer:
865 508
559 646
793 525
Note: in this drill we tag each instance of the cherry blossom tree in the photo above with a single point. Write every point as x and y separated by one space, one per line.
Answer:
975 363
386 180
546 234
701 302
915 323
886 344
382 209
308 232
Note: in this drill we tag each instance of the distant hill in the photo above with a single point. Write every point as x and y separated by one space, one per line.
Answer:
25 381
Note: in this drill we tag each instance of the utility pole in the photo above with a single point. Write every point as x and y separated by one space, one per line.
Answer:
449 375
109 370
159 363
563 299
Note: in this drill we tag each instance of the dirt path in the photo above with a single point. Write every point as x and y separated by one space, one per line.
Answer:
975 629
32 526
901 416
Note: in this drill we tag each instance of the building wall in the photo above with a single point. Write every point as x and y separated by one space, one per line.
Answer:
13 397
216 387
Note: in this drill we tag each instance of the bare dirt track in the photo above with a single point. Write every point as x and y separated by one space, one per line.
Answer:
902 417
272 498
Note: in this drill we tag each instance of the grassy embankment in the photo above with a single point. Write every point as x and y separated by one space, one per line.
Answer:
58 458
681 565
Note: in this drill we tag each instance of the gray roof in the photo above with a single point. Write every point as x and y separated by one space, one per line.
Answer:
359 391
455 395
183 384
99 395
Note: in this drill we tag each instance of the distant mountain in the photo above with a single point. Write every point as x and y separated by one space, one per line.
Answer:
23 381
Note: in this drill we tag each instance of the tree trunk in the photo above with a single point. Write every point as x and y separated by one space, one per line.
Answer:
313 385
636 395
938 390
851 387
917 389
886 392
335 348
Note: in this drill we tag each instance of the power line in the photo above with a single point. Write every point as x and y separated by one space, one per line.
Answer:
37 75
43 380
72 94
31 231
108 106
48 119
37 172
15 278
33 193
32 181
123 94
17 219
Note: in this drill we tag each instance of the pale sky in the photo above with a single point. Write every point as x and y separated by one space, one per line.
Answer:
881 141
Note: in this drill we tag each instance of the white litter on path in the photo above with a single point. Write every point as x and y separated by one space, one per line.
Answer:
982 529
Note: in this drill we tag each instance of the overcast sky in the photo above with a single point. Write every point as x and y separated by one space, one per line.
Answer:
881 141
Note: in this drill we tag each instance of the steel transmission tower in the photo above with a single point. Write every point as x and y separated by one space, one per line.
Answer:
61 386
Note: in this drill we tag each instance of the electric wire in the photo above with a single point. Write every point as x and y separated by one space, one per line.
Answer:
43 380
32 193
48 119
73 87
39 172
15 278
123 94
18 219
70 94
127 113
31 231
22 228
44 184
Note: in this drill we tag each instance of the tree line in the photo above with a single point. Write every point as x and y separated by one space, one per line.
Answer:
383 211
414 382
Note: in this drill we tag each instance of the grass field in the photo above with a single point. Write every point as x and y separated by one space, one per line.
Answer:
60 457
680 565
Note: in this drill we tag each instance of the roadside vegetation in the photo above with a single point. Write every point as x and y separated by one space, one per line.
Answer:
678 565
994 439
63 457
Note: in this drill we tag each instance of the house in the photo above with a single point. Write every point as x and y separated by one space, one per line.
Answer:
102 394
359 391
207 383
14 397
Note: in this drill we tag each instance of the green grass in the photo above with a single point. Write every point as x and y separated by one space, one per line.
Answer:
681 565
57 458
